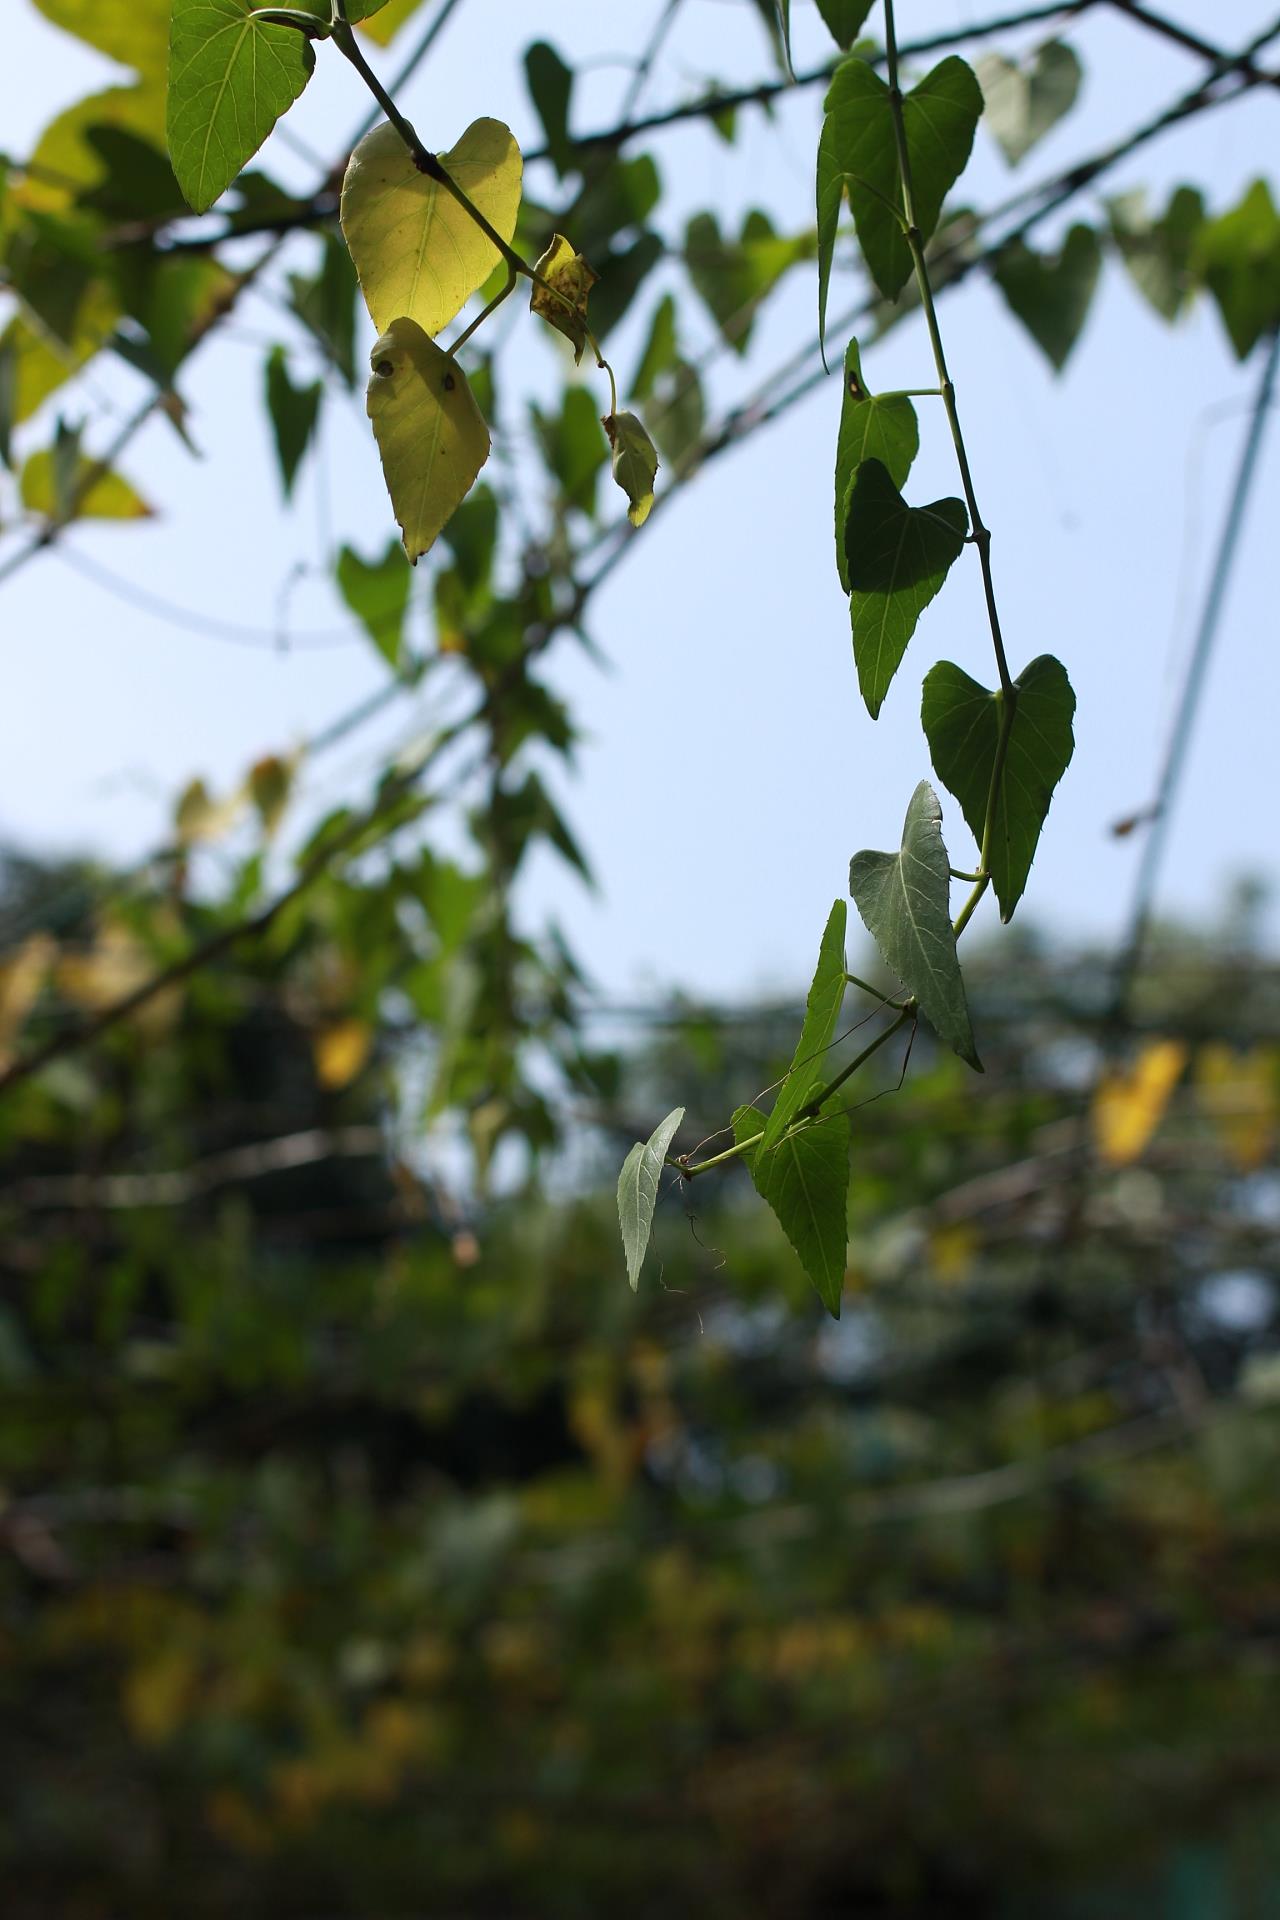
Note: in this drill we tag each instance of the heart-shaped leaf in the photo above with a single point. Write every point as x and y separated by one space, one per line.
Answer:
873 426
805 1180
820 1014
857 155
905 901
638 1191
377 592
430 432
734 277
1238 256
419 255
843 18
1050 292
294 413
1023 102
962 722
230 79
896 558
1159 253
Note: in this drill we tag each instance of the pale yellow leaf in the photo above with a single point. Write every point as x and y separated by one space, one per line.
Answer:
339 1051
96 496
383 25
418 253
1239 1093
1128 1107
430 432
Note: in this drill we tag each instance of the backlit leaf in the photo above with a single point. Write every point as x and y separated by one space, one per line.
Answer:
905 902
133 32
1129 1106
230 79
734 277
92 495
377 592
419 255
339 1050
1051 292
294 413
805 1181
1024 102
383 19
822 1009
430 433
873 426
570 280
857 156
1238 257
897 558
638 1191
635 463
1159 253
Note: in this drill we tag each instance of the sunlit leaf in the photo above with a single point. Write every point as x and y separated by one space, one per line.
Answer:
1238 257
873 426
896 558
635 463
133 32
1024 101
733 277
383 19
904 899
638 1191
822 1008
419 255
961 720
1129 1106
430 433
230 79
339 1050
570 280
805 1181
93 495
1051 292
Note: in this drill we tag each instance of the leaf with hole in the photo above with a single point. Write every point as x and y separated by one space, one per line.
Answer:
1050 292
857 156
1024 102
961 720
905 902
230 79
873 426
897 558
805 1181
822 1009
420 256
430 432
638 1191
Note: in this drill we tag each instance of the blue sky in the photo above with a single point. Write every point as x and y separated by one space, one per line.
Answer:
729 769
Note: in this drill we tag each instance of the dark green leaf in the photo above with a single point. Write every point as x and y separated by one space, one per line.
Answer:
661 348
905 902
897 558
805 1180
962 722
857 156
621 274
844 18
294 412
326 304
638 1191
550 85
574 447
1159 253
377 592
8 393
822 1009
1024 102
137 181
1050 292
230 79
635 463
872 427
1238 257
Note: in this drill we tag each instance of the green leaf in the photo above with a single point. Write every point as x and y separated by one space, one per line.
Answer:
430 432
677 411
325 302
734 277
1238 256
879 427
1051 292
857 155
1024 102
230 79
377 592
1159 253
107 496
897 558
635 463
621 272
133 32
419 255
822 1009
905 902
8 395
844 18
294 413
550 85
961 720
805 1180
638 1191
573 446
661 349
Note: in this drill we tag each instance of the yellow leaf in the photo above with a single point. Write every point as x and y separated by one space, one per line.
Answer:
198 816
1238 1092
65 164
569 276
133 32
419 254
383 26
340 1050
42 363
952 1251
430 433
21 979
270 783
1128 1107
108 497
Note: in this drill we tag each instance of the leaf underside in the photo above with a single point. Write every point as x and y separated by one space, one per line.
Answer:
805 1181
638 1191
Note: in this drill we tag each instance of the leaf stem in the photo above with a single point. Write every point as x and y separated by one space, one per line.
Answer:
852 980
484 312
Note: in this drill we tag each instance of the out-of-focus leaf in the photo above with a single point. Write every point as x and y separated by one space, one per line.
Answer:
574 447
1159 253
1051 292
734 277
621 275
550 84
1023 102
133 32
294 413
1238 257
325 302
105 496
339 1050
377 592
1129 1106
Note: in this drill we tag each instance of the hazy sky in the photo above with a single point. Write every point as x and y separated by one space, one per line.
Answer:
729 768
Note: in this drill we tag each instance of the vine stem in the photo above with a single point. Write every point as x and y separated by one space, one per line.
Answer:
980 533
809 1111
